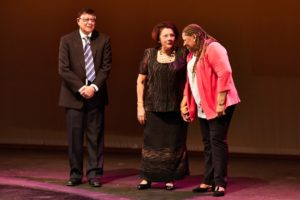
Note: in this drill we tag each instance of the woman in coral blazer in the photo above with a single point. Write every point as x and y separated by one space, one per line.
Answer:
210 95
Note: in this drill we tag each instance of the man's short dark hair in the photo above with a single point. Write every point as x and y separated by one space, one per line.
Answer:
87 11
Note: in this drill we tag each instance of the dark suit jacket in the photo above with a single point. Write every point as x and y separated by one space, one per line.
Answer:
72 68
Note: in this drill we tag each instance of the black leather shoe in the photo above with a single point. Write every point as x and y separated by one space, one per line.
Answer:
73 182
94 183
169 187
203 190
144 186
218 192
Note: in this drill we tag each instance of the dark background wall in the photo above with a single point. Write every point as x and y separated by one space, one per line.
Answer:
262 39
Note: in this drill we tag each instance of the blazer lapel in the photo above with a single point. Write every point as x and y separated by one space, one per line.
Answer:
79 49
95 36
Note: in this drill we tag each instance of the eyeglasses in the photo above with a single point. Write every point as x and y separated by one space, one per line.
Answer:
85 20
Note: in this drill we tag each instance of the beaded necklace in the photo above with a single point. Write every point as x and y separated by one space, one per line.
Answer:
165 58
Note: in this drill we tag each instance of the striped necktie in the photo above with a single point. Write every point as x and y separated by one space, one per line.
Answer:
89 61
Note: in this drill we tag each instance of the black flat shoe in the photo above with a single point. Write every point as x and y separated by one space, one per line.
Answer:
218 193
203 190
169 187
144 186
73 182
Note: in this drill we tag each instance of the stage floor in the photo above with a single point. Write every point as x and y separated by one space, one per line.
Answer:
42 174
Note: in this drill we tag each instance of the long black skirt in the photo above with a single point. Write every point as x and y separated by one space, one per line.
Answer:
164 153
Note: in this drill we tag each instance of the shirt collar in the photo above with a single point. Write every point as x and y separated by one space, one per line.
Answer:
82 35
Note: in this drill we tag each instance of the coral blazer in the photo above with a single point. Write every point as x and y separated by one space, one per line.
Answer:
213 73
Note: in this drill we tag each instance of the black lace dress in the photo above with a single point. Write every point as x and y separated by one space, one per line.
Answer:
164 153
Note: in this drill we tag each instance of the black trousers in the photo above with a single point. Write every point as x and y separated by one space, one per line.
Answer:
214 137
91 120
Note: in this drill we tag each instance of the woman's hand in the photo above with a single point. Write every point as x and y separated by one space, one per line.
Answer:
141 114
184 110
185 114
220 110
140 85
221 103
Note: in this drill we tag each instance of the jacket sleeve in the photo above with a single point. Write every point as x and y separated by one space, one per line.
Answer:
218 59
104 70
64 69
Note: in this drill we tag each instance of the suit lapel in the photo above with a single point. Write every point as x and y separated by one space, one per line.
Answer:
94 38
93 47
79 49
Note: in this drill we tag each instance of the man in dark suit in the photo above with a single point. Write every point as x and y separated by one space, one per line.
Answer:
84 65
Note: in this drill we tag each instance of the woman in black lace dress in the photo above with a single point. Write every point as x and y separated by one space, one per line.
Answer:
160 85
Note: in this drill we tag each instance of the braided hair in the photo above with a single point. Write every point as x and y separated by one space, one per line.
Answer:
202 40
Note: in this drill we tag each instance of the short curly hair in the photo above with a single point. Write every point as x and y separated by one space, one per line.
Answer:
159 27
